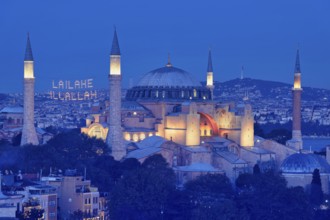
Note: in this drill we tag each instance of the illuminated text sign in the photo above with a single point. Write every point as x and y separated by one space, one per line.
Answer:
73 90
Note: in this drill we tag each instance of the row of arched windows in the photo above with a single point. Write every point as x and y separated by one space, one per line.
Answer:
135 137
168 93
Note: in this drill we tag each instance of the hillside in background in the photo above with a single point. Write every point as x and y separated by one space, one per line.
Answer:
255 89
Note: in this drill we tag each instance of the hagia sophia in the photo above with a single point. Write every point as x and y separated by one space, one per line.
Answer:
170 113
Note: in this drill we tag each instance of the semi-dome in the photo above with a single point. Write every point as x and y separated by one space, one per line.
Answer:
168 76
304 163
168 83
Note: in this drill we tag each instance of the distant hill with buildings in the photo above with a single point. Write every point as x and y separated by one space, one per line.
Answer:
256 89
272 101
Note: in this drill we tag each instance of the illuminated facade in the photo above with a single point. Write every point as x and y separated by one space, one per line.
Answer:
168 112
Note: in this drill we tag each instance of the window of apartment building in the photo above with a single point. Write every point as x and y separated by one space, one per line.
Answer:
52 203
95 200
88 201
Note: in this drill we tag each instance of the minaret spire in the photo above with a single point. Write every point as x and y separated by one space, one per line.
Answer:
28 50
209 64
115 50
209 75
297 66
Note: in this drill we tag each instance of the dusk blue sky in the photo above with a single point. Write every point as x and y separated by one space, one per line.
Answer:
71 39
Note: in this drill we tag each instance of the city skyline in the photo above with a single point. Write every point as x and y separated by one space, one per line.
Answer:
107 115
72 41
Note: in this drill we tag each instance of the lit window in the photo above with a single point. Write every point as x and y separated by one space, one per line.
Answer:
195 93
142 136
135 137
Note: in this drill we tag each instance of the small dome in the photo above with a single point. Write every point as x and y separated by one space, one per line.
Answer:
168 76
304 163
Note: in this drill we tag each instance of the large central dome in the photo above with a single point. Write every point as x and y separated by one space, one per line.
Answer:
168 76
168 83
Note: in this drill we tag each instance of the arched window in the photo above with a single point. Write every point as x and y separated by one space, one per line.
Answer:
142 136
127 137
135 137
195 93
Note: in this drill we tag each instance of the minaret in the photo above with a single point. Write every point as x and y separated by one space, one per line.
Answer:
242 72
29 135
296 141
209 78
115 134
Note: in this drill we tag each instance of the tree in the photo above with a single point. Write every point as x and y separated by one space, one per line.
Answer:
77 215
31 210
212 197
129 164
67 150
256 169
258 130
104 171
51 129
16 140
179 205
35 214
268 197
295 204
245 181
143 193
280 135
32 214
316 193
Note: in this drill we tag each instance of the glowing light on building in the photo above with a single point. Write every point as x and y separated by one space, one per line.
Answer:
297 81
135 137
209 81
142 136
115 65
28 70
